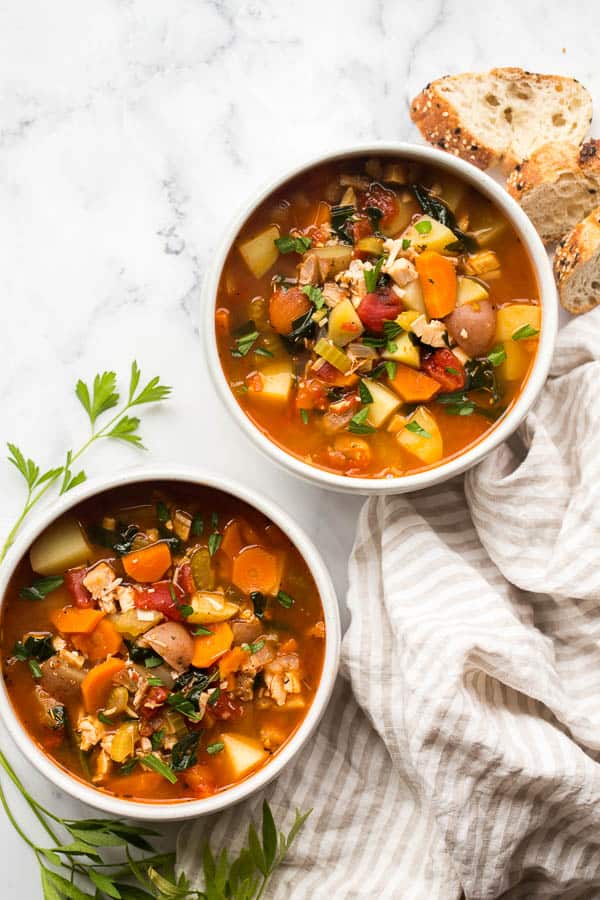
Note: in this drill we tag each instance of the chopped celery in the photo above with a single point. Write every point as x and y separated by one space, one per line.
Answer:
333 355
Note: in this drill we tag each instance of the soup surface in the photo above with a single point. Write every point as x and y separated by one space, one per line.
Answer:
162 642
376 317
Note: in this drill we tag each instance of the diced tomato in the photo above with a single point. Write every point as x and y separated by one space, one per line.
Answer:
74 584
311 394
375 309
154 699
446 369
227 707
287 306
160 596
383 200
199 781
254 382
360 228
186 579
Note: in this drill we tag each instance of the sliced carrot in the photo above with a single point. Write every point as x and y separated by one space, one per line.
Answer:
143 785
222 317
149 563
255 569
233 660
232 541
104 641
74 620
96 685
413 386
208 648
438 283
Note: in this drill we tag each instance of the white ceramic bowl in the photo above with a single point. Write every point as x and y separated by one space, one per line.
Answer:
505 426
116 807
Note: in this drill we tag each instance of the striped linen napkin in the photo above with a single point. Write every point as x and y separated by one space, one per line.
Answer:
460 750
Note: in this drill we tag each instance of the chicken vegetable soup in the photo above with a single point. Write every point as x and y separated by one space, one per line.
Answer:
162 642
376 317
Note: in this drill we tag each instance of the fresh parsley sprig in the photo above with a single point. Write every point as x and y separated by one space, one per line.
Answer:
75 868
97 400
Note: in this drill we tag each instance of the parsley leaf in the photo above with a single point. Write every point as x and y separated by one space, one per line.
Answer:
289 244
285 600
41 588
364 392
315 295
372 275
497 355
417 429
423 227
524 332
358 423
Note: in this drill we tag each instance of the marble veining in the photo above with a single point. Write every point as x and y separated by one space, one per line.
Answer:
130 132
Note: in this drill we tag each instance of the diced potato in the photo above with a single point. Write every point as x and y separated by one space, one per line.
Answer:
61 546
469 291
395 173
277 379
344 324
413 297
510 318
516 363
348 197
482 263
437 238
428 446
209 607
243 753
405 352
132 624
385 402
260 252
333 260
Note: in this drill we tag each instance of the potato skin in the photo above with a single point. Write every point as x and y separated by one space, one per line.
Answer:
475 320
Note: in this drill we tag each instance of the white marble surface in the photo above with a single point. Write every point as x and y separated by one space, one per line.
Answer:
129 132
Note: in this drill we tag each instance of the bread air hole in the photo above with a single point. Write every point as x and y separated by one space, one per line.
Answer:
508 114
596 286
558 119
492 100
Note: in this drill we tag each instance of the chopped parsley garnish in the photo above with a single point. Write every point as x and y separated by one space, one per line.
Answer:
457 403
154 762
35 668
128 766
201 631
41 588
244 344
405 243
524 332
417 429
215 748
388 367
340 216
262 351
157 738
304 416
364 393
285 600
315 295
423 227
451 370
497 355
162 512
185 751
214 521
391 329
253 648
358 422
186 610
214 696
289 244
214 542
34 648
375 216
372 275
197 526
106 720
153 681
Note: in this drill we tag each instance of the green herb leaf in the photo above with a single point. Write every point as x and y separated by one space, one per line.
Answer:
63 887
197 526
497 355
269 835
437 209
104 395
304 416
423 227
451 370
417 429
201 631
41 588
185 752
262 351
153 681
35 668
315 295
524 333
155 763
125 430
340 218
372 276
289 244
157 739
106 720
405 243
215 748
375 216
358 423
388 367
244 344
214 696
162 512
259 602
214 542
40 648
153 392
104 883
391 329
285 600
364 392
253 648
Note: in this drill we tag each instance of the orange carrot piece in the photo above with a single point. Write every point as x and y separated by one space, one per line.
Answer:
232 541
208 648
233 660
438 283
289 646
142 785
104 641
255 569
149 563
73 620
413 386
96 685
222 317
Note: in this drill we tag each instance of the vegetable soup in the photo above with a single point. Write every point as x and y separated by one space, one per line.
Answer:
376 317
162 642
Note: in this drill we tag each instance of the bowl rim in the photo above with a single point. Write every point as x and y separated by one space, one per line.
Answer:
163 810
535 381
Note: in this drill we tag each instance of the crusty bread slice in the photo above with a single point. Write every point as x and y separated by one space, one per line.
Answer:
501 116
577 265
557 186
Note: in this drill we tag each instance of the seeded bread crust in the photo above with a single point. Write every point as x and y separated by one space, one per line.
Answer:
441 124
577 265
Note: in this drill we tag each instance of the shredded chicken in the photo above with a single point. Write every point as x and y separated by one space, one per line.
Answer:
432 333
102 767
101 582
90 730
58 643
333 294
125 595
71 658
353 277
282 677
402 271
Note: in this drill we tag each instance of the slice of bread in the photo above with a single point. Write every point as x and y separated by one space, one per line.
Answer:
577 265
558 186
501 116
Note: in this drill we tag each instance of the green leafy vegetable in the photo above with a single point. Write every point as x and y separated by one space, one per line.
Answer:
315 295
259 602
201 631
358 422
41 588
185 752
497 355
253 648
364 392
405 243
375 216
524 333
285 600
106 720
388 367
303 328
423 227
289 244
304 416
372 275
197 526
215 748
157 739
262 351
244 344
417 429
340 219
214 542
40 648
96 400
156 763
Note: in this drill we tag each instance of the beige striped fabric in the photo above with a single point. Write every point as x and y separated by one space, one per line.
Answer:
460 751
